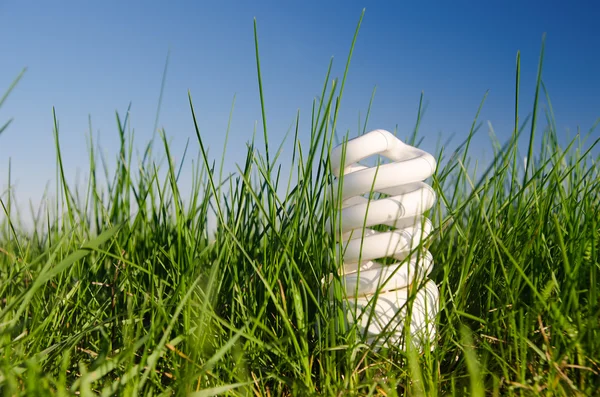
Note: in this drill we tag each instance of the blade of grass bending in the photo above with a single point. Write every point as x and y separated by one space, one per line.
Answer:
219 354
516 128
364 130
339 98
534 117
551 118
323 92
120 177
225 145
158 106
271 203
296 145
12 86
262 97
5 126
219 390
9 198
11 226
420 113
63 181
204 152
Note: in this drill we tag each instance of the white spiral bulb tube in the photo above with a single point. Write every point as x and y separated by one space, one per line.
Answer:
381 293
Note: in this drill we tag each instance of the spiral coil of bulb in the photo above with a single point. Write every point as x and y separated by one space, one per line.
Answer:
371 285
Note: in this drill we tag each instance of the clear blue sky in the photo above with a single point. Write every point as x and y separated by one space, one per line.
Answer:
92 58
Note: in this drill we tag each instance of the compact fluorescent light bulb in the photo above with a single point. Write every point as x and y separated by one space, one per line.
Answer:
382 293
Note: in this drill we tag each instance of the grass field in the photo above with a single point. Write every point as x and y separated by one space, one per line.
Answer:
99 301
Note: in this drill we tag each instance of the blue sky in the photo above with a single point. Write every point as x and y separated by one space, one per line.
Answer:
93 58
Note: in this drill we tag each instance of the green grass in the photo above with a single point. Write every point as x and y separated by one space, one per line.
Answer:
98 301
